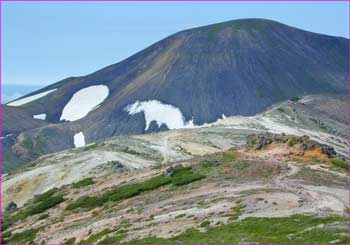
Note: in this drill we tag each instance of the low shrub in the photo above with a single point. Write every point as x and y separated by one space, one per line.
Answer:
83 182
295 98
94 238
43 216
229 155
45 205
38 205
180 216
205 223
113 239
87 202
45 195
186 179
90 147
294 229
179 177
23 237
70 240
292 141
340 164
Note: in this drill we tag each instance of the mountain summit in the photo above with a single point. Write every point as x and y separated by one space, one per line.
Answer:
196 76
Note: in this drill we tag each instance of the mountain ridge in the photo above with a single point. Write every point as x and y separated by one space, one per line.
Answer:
55 85
232 68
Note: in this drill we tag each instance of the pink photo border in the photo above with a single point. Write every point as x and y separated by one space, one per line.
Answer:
214 1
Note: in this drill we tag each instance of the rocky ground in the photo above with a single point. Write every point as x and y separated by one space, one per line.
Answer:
273 189
277 177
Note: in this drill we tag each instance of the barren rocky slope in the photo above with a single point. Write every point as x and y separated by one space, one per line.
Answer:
229 182
233 196
294 118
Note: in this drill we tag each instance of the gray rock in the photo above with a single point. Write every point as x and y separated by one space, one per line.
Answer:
172 169
12 206
328 150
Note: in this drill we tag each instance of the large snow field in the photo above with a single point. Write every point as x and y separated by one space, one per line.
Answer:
155 110
84 101
30 98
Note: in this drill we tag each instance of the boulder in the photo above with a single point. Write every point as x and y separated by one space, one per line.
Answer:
12 206
172 169
329 151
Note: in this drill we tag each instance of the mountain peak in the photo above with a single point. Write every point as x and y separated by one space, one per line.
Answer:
237 67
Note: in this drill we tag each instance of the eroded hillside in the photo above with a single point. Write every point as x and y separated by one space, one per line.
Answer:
274 189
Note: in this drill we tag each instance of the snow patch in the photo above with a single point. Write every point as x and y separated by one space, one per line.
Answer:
30 98
40 116
79 140
84 101
305 100
8 135
155 110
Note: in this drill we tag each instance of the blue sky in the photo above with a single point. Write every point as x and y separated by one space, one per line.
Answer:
46 42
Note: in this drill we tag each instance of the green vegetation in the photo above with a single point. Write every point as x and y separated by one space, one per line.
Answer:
180 216
129 151
236 25
45 195
113 239
214 32
238 209
35 145
45 205
180 177
94 238
23 237
40 143
295 98
185 176
70 240
285 230
43 216
5 236
245 25
207 163
40 204
90 147
83 182
229 156
87 202
205 223
27 143
340 164
292 141
281 109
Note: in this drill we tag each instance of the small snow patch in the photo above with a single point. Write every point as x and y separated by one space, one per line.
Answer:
305 100
40 116
30 98
79 139
155 110
8 135
84 101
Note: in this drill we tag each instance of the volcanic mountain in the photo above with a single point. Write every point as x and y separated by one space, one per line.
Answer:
193 77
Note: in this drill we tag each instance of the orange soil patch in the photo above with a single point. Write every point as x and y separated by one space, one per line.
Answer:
312 154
